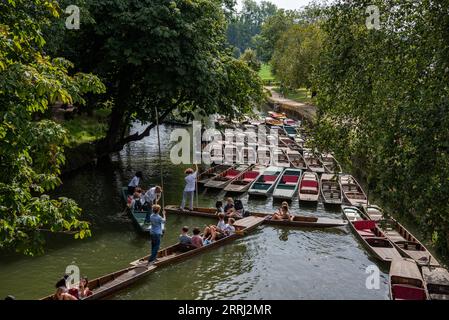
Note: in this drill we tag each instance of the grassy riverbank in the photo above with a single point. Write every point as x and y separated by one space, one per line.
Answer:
85 128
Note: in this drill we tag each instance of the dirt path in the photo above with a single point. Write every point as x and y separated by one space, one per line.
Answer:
301 110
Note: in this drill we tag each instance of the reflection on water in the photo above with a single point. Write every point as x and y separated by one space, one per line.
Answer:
270 263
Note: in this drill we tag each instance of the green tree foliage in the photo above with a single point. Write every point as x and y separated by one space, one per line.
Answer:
271 31
250 58
296 55
246 24
383 103
31 147
161 54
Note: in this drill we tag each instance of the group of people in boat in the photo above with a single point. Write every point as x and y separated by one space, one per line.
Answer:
210 233
76 293
149 201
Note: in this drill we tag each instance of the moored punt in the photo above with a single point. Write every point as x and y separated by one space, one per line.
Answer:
370 235
436 280
330 164
406 282
313 162
330 189
287 185
406 243
243 182
265 183
273 122
296 159
113 282
223 179
373 212
352 191
277 115
298 221
211 172
177 253
309 187
138 217
289 143
264 156
279 158
292 123
290 131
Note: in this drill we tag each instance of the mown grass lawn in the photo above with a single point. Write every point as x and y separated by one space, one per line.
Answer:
300 95
265 73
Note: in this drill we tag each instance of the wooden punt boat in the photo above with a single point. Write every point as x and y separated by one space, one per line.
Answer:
290 131
273 122
292 123
406 282
277 130
265 183
289 143
401 238
436 280
373 212
406 243
175 253
299 221
279 158
138 217
242 183
312 161
370 235
296 159
352 191
330 164
288 184
330 189
211 172
309 188
106 285
277 115
223 179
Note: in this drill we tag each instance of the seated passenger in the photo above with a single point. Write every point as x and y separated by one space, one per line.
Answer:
237 211
62 294
83 290
209 235
184 238
283 213
229 205
229 228
197 240
219 207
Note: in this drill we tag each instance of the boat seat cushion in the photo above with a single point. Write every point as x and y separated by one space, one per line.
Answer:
366 233
364 224
251 175
290 179
232 173
269 178
309 183
406 292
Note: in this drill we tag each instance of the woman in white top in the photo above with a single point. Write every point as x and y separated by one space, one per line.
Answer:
134 182
189 190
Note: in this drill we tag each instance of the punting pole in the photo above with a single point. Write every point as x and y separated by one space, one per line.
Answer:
160 159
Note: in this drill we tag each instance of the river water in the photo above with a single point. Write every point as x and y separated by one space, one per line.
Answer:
270 263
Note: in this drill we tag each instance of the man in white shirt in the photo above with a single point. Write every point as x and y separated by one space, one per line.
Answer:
134 183
151 197
189 190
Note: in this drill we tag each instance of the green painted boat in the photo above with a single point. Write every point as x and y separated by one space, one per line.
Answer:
138 217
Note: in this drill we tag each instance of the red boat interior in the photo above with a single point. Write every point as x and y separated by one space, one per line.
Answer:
290 179
232 173
407 292
250 176
269 178
365 227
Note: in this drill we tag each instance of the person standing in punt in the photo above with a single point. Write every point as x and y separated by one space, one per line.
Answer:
156 231
151 198
134 183
189 190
